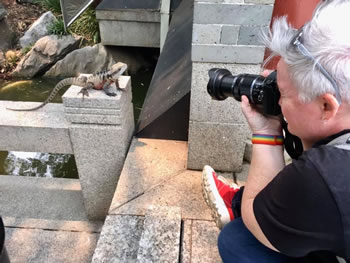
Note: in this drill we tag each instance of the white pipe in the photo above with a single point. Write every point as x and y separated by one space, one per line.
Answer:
164 21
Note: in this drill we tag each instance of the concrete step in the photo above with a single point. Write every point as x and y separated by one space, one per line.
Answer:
35 240
41 198
45 220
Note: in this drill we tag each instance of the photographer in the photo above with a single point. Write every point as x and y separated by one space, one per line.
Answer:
299 212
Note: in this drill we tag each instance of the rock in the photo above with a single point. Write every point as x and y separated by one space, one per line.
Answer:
85 60
37 30
45 53
2 12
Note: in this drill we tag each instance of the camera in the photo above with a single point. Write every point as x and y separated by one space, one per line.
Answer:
261 91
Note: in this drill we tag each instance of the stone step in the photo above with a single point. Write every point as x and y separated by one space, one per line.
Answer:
154 237
41 241
41 198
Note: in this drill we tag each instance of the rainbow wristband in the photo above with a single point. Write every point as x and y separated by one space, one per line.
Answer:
267 139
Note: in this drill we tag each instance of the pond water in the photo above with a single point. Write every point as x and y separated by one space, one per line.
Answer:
48 164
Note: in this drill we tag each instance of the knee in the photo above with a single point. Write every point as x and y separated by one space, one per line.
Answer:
229 245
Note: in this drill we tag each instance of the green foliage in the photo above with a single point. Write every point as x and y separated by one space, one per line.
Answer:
57 28
87 26
52 5
25 50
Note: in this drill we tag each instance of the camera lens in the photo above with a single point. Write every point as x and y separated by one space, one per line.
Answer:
223 84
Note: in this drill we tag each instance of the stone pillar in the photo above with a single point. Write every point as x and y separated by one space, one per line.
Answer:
225 35
101 129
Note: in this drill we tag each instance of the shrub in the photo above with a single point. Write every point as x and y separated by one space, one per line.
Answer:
87 26
57 28
52 5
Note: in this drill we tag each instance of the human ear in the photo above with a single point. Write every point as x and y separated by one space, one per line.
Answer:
329 106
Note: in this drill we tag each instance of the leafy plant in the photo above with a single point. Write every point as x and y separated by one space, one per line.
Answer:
52 5
87 26
57 28
25 50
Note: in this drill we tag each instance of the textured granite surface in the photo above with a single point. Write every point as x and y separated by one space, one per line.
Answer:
160 240
119 239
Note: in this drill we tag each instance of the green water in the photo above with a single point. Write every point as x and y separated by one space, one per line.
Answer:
47 164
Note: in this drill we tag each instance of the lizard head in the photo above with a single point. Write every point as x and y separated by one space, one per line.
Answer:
81 80
116 71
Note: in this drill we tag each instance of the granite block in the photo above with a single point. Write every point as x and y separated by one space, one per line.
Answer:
148 163
182 190
186 244
267 2
43 130
218 145
251 35
128 15
206 34
139 34
229 35
99 157
73 110
41 198
94 119
42 246
204 242
55 225
205 109
228 53
119 239
232 14
97 98
160 240
221 1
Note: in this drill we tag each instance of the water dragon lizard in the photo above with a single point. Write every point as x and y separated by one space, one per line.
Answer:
101 80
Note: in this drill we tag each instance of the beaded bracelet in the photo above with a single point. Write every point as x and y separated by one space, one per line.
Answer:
267 139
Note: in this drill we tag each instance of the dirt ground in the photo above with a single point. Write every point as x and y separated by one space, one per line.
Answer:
18 19
20 16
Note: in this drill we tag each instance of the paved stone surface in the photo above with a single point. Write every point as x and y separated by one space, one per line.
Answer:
160 240
37 245
182 190
119 240
204 242
149 162
41 198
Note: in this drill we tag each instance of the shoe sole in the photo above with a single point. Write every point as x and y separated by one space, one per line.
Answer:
213 198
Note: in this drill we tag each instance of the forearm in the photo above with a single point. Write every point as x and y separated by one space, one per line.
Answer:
266 162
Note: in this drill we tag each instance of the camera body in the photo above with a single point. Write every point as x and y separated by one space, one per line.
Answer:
262 92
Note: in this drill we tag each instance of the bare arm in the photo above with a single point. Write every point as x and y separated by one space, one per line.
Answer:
267 161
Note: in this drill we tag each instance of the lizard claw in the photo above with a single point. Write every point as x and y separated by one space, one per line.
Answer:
84 91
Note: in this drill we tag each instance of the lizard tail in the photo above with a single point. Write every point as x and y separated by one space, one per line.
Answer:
57 88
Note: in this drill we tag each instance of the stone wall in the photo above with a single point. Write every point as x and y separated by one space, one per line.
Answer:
225 35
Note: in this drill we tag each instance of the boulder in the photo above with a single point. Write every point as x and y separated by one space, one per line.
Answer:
45 53
2 12
37 30
85 60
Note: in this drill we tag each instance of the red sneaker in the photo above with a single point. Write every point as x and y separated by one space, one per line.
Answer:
218 194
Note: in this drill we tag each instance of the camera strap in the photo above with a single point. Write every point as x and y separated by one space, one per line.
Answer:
292 143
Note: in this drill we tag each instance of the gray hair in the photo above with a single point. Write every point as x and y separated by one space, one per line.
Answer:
327 38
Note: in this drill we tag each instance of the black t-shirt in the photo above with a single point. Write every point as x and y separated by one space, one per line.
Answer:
298 212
